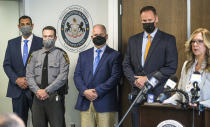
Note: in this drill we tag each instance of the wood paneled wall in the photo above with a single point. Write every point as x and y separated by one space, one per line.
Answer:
200 14
172 19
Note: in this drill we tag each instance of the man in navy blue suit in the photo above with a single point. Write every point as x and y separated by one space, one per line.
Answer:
147 53
96 77
15 62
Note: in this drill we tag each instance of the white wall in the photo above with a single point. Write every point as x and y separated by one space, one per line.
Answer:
9 14
47 12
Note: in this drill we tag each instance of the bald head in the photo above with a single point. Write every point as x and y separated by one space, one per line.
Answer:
99 26
99 35
99 30
11 120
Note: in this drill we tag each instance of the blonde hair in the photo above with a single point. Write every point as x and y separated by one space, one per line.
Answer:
188 48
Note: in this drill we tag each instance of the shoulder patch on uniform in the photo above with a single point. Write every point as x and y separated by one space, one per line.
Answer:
60 49
29 59
66 57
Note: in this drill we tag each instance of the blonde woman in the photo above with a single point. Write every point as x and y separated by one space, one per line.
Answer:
198 60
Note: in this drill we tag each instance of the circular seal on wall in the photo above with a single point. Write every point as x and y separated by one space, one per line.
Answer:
74 27
170 123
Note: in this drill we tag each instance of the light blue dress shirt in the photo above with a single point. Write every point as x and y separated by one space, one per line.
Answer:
144 44
95 53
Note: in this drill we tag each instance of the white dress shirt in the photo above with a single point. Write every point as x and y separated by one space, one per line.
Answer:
30 38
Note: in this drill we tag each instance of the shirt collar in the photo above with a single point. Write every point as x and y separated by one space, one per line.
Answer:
44 50
29 38
152 34
203 65
102 48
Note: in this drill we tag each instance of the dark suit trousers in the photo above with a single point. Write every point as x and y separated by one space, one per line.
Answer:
49 110
21 106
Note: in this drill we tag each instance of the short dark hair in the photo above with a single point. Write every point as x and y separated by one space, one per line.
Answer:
148 8
50 28
25 17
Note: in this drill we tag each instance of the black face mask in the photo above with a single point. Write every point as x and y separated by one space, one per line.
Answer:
98 40
149 27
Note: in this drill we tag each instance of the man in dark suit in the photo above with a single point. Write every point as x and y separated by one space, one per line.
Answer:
15 61
147 53
96 77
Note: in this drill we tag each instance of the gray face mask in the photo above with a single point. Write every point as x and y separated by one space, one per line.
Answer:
26 30
49 43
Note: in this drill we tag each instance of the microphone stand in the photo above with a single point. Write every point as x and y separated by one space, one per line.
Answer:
194 99
139 98
193 119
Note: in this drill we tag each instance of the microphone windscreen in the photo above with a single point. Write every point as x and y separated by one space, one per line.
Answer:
195 77
196 72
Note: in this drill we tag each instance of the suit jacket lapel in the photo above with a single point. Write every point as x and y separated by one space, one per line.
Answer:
33 45
203 79
153 45
19 53
104 56
90 63
139 41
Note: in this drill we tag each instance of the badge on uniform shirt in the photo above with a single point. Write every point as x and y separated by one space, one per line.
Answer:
29 59
66 57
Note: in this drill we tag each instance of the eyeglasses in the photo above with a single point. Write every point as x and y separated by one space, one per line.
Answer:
197 41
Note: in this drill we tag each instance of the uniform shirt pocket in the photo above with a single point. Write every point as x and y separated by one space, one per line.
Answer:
38 69
53 69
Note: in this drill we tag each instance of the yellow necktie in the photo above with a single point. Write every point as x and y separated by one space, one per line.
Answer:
147 47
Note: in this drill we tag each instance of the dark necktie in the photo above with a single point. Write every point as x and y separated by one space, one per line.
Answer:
44 81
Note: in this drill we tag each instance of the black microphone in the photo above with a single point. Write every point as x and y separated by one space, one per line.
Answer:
170 84
151 83
195 80
184 104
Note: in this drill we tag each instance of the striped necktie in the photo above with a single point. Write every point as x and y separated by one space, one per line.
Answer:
97 59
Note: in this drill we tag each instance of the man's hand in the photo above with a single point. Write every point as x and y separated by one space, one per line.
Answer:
139 82
90 94
42 94
193 105
21 82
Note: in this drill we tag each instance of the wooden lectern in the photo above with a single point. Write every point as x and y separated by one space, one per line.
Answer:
151 114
